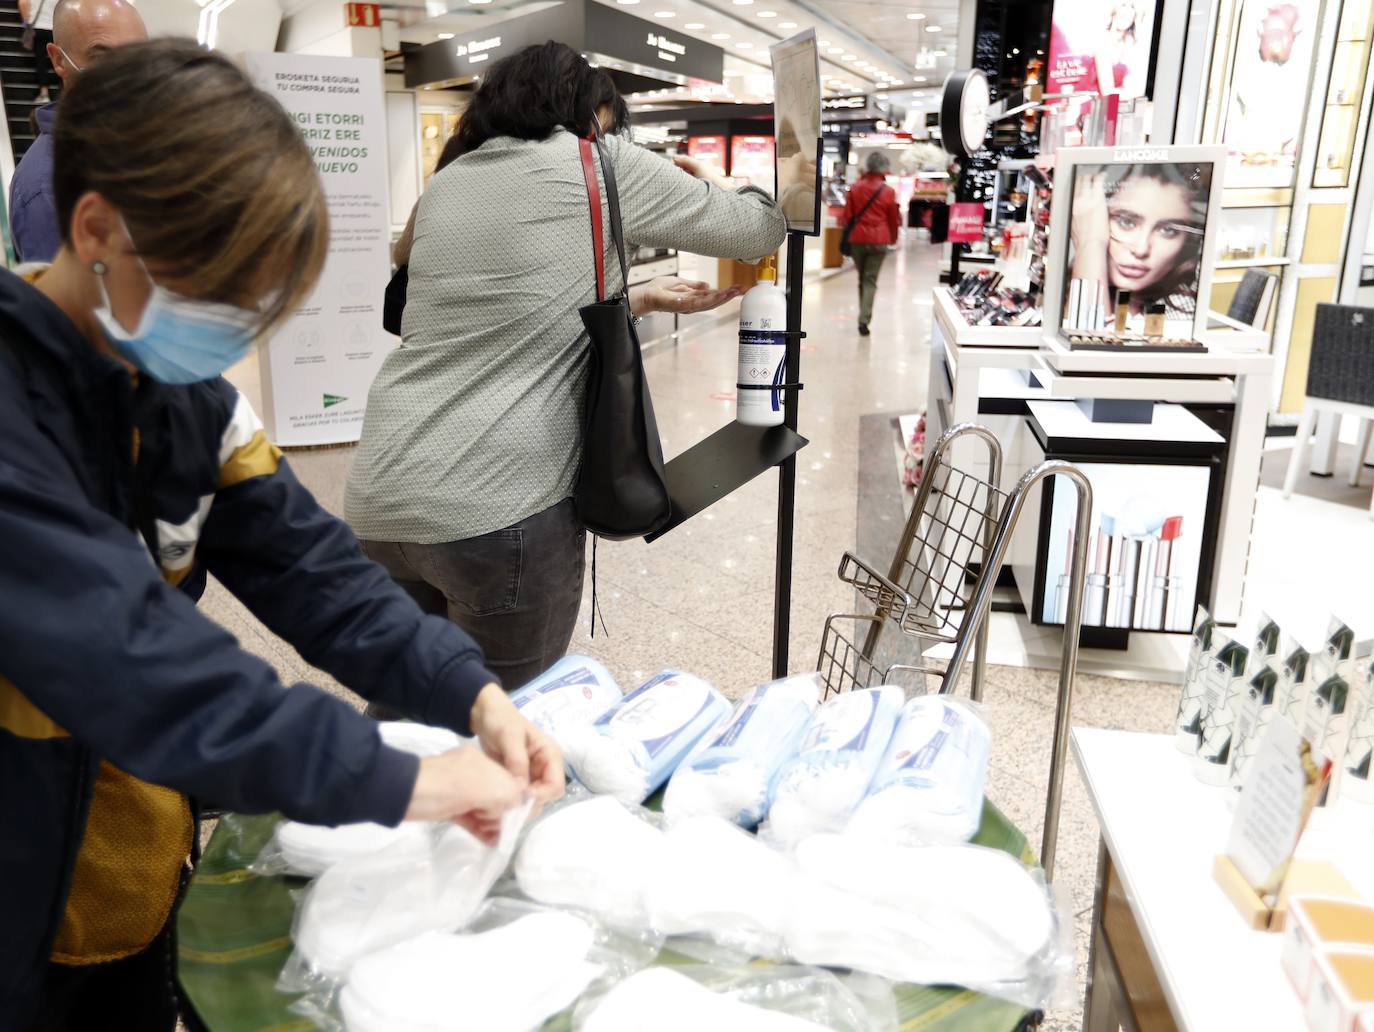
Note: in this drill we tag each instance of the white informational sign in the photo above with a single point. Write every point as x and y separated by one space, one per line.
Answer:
318 367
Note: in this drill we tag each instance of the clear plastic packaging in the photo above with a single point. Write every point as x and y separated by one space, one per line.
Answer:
692 999
360 906
818 789
932 915
509 979
309 850
929 789
630 751
731 770
570 695
1358 783
593 855
716 880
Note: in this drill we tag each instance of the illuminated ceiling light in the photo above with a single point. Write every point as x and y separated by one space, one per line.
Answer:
665 14
836 51
744 3
939 53
445 35
744 46
787 25
920 78
767 14
916 16
929 28
849 58
897 82
694 25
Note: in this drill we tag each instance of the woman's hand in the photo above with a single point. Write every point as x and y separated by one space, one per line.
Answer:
675 294
526 753
1090 226
699 169
467 787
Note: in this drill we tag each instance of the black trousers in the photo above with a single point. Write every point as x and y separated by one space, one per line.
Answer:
516 591
136 994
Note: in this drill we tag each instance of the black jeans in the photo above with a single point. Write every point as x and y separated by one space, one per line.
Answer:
516 591
136 994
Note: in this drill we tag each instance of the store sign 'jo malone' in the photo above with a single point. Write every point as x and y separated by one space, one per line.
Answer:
668 50
478 49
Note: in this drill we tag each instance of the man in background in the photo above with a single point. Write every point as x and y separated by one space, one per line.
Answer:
82 31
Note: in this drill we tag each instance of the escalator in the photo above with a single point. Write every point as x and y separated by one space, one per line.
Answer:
18 81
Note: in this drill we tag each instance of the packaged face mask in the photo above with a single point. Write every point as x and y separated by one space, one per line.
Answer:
310 850
929 789
1257 702
818 789
510 979
1188 723
630 751
731 770
717 880
570 695
1223 686
593 855
666 1001
361 906
931 915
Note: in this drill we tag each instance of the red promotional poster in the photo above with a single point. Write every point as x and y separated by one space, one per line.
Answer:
965 222
751 160
710 149
1098 47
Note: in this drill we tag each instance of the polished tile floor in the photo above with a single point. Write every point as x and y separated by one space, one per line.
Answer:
701 597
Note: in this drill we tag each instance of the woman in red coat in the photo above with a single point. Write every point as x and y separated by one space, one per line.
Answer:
871 208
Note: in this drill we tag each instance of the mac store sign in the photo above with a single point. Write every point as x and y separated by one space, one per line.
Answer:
639 54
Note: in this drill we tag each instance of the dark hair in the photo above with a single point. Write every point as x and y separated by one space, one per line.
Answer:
533 92
212 179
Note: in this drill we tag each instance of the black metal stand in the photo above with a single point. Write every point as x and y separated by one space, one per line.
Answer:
736 454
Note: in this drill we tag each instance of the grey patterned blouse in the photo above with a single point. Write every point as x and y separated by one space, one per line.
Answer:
474 422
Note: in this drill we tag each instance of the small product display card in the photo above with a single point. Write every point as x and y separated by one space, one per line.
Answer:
1281 787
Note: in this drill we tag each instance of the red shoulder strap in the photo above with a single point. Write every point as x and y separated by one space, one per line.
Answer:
594 199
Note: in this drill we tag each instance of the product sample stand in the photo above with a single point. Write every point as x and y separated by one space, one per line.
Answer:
736 454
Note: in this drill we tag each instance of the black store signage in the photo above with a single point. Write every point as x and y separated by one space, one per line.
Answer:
594 29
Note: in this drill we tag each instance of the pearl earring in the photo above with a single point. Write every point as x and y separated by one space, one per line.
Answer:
99 268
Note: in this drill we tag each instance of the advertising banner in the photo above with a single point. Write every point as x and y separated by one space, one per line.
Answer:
317 368
966 222
1098 47
751 160
1268 91
710 149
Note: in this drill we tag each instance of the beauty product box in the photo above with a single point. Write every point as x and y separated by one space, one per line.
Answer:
1342 991
1317 925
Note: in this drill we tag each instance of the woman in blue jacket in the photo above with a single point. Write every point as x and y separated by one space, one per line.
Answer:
193 221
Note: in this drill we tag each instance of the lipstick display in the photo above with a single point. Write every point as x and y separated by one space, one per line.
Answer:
1166 587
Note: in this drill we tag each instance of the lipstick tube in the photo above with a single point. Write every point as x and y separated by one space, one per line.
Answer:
1166 586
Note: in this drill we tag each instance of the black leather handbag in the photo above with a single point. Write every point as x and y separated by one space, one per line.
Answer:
394 300
621 489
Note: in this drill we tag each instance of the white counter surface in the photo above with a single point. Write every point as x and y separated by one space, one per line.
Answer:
1164 829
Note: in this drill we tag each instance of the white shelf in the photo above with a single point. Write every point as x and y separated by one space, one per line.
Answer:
1220 360
964 335
1247 263
1060 419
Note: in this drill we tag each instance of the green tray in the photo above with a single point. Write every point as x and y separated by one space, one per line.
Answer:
233 937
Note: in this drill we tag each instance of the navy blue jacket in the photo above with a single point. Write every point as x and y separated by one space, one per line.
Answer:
33 209
105 657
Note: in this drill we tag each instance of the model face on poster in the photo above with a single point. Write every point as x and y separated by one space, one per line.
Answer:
1098 47
1139 228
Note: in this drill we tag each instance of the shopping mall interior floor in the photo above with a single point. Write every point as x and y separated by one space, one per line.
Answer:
701 598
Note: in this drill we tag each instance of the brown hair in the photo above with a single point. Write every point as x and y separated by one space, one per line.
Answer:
209 173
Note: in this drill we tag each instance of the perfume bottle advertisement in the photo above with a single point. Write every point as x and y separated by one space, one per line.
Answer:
1144 546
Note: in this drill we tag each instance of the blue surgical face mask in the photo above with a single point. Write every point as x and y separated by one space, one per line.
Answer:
179 340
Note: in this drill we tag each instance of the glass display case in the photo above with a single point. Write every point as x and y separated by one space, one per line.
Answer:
1340 119
1250 234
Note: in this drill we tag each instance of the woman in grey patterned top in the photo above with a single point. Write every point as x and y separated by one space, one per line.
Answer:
471 445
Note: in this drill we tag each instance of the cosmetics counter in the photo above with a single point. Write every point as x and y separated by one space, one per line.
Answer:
1168 424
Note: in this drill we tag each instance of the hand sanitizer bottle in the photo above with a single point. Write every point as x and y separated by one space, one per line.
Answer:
762 350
